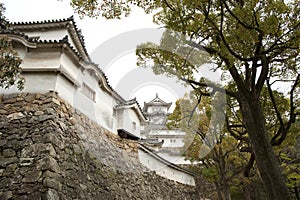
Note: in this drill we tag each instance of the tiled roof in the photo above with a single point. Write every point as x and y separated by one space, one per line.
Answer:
51 24
172 165
131 102
44 21
13 32
152 142
156 101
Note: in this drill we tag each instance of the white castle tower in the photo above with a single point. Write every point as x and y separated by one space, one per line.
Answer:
173 140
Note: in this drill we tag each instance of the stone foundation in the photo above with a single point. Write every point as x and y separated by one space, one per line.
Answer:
50 151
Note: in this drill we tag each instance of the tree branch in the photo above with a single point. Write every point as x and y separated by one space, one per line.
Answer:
249 165
274 103
168 5
263 74
281 134
211 85
236 18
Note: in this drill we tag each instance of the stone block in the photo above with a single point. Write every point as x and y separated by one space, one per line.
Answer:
1 172
27 188
20 99
3 142
50 195
38 95
49 174
10 169
43 118
24 170
77 150
52 183
3 124
48 100
9 100
52 138
32 176
38 149
15 116
9 152
33 119
26 161
55 101
38 113
6 161
27 141
29 98
48 163
22 197
6 183
50 111
3 112
37 102
68 165
63 126
6 195
35 196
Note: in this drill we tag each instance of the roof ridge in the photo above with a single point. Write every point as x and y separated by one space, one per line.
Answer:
71 18
78 31
131 102
11 31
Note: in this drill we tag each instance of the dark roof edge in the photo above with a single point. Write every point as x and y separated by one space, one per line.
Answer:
53 21
131 102
168 163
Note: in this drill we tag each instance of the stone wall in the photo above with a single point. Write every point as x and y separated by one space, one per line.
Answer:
48 150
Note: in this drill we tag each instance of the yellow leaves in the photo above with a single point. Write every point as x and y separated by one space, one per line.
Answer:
294 176
86 8
106 8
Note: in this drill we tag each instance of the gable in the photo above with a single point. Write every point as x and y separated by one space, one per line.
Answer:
156 102
54 30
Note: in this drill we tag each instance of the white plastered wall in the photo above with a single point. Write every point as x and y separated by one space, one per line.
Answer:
130 117
100 108
164 170
39 71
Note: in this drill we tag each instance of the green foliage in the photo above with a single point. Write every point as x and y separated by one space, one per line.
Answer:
9 59
111 9
228 147
289 157
9 64
106 8
3 22
224 165
174 119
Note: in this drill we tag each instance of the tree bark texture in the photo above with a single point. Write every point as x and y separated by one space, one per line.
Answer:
266 160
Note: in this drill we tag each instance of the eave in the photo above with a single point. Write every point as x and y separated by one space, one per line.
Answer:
135 105
68 23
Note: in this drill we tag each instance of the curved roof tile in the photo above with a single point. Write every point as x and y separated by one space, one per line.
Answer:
66 21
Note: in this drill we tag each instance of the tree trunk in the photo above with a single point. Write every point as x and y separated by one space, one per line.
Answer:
246 193
223 179
265 158
219 192
296 193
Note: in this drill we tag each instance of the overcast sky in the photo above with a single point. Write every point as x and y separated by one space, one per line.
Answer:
94 30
